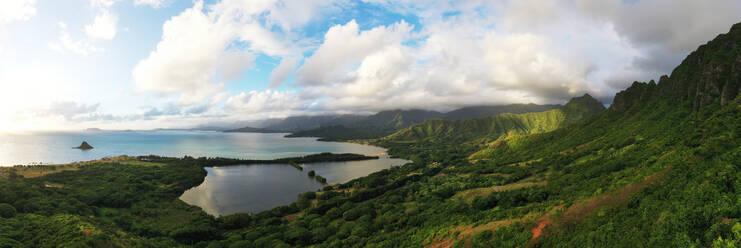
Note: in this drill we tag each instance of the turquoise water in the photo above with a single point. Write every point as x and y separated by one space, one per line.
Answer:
56 147
226 190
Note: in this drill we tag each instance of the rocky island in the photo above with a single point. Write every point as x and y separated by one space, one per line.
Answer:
84 146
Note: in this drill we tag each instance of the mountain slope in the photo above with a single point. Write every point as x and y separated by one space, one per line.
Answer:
493 127
378 125
387 122
660 168
474 112
298 123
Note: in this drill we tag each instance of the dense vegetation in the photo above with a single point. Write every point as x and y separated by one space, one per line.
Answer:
493 128
104 205
660 168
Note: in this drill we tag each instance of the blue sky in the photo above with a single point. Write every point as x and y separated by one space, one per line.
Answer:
166 63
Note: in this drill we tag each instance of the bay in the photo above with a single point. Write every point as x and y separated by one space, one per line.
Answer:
225 190
56 147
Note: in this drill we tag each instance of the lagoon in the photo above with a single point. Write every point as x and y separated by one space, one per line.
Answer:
258 187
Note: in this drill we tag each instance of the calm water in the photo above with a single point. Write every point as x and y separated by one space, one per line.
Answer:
226 190
25 148
254 188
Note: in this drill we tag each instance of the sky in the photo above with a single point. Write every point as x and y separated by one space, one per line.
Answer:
143 64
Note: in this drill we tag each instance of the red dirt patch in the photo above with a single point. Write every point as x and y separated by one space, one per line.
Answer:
467 232
579 211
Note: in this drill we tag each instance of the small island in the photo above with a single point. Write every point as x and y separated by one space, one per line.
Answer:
84 146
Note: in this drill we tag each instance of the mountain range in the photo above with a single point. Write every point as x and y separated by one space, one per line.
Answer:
345 127
491 128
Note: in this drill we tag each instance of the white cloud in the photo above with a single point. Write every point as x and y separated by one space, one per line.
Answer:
205 42
344 46
104 26
455 64
234 63
187 59
17 10
153 3
68 110
65 43
264 102
282 71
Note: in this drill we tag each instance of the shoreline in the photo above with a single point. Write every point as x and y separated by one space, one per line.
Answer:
50 161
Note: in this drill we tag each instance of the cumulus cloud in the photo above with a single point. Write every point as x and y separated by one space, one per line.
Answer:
153 3
345 46
187 59
281 72
104 26
206 45
263 102
17 10
455 64
234 63
66 43
68 110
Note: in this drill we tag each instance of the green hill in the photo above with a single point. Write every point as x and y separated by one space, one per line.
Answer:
473 112
488 129
378 125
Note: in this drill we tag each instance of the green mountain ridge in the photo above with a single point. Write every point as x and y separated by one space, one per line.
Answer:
491 128
474 112
388 122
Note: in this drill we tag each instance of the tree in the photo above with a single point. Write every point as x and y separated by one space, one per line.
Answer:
236 221
7 211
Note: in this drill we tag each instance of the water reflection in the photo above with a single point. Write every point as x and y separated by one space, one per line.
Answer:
254 188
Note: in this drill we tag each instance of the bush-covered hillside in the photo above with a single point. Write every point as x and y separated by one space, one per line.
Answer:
488 129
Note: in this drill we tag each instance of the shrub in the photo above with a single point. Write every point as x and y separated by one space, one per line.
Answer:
236 221
7 211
